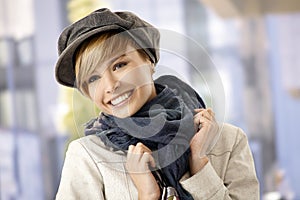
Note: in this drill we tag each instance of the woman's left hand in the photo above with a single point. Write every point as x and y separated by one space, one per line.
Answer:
205 123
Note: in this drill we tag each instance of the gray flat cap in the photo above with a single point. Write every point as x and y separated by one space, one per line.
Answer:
99 21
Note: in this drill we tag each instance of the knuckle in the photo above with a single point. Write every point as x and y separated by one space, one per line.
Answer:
139 144
130 148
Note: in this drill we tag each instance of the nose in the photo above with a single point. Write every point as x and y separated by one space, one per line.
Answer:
111 82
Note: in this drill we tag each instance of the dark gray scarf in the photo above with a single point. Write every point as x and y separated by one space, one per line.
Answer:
165 125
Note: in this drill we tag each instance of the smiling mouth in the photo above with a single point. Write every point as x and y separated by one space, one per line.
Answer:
121 99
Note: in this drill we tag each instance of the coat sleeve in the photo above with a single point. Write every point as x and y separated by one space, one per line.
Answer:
239 182
80 177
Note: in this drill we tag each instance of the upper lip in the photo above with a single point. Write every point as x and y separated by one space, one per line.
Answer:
119 95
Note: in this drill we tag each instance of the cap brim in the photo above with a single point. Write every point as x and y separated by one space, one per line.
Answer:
65 66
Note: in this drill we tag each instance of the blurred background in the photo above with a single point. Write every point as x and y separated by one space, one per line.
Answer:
254 46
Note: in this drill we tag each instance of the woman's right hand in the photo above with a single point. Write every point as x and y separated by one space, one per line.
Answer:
138 160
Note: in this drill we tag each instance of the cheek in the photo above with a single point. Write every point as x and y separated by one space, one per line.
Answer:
139 76
95 93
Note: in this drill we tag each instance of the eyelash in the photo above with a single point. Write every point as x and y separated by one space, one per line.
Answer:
93 78
119 65
115 67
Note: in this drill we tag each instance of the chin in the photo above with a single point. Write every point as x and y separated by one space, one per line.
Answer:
126 111
121 113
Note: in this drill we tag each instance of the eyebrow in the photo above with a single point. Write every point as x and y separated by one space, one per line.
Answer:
116 58
111 61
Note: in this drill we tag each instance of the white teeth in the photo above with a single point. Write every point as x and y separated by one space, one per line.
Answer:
120 99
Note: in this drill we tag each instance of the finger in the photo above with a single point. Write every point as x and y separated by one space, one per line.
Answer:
200 117
138 152
130 148
199 109
197 119
148 159
132 155
210 111
141 148
206 114
204 124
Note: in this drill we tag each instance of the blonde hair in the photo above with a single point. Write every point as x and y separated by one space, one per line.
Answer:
97 50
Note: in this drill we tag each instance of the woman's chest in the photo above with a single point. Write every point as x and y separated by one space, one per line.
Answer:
117 183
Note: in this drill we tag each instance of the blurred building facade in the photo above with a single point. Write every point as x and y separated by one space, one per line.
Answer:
253 52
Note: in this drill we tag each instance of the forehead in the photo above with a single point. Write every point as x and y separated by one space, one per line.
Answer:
128 52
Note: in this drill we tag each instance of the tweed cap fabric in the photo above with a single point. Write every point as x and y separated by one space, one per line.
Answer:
100 21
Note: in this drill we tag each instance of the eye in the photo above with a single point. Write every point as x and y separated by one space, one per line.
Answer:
93 78
119 65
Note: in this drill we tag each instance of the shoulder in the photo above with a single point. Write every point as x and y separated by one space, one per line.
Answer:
232 132
93 147
229 137
84 143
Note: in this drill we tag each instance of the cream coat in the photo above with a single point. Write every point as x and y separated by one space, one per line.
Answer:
91 171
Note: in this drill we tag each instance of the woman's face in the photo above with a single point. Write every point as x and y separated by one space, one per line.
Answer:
122 85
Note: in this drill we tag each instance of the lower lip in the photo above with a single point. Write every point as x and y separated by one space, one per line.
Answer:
124 102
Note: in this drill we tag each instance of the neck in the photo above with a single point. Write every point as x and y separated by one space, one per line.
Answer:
153 93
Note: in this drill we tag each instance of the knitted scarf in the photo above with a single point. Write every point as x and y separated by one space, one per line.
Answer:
164 124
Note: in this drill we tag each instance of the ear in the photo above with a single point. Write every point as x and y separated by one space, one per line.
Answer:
152 66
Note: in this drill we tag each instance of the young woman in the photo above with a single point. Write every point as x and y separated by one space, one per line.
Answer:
152 139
